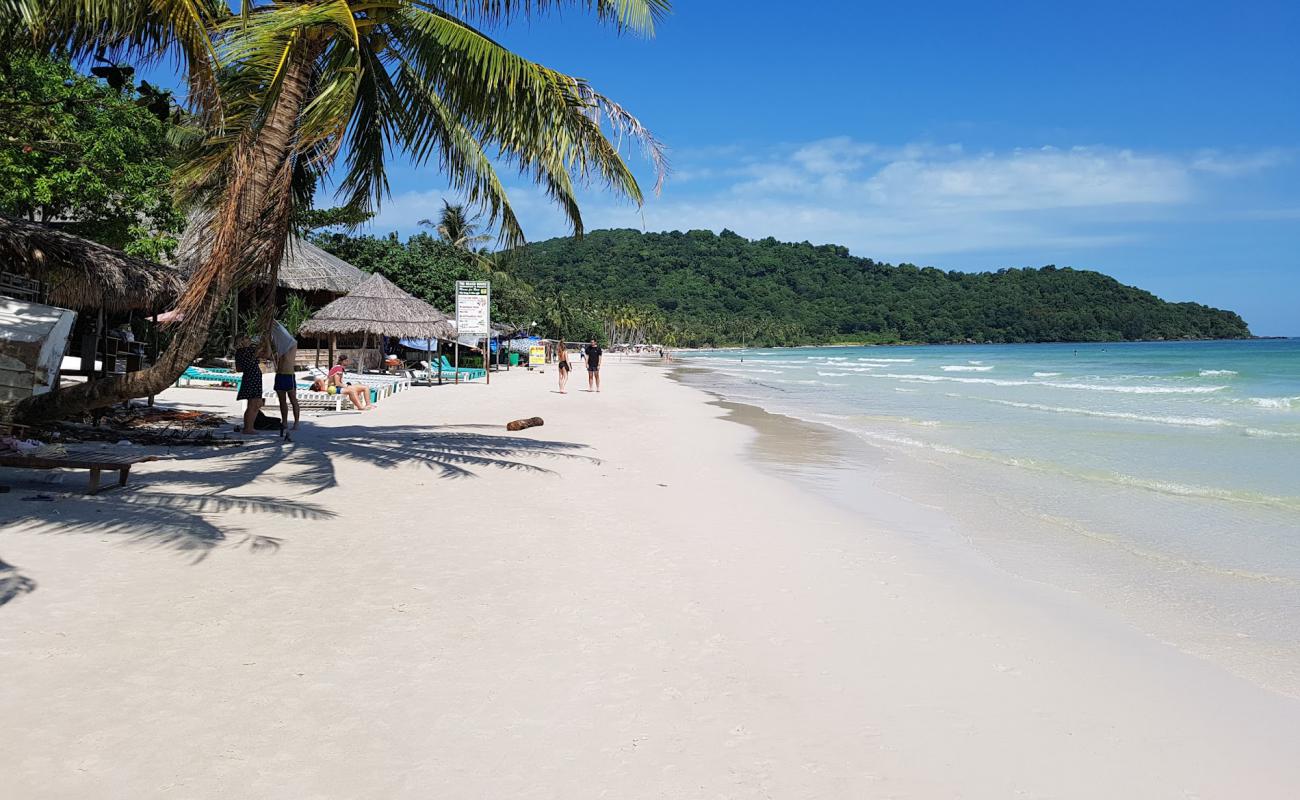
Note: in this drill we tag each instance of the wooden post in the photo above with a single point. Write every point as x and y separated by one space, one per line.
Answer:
438 351
333 340
487 359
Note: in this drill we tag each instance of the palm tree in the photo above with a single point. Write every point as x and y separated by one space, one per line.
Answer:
458 228
285 90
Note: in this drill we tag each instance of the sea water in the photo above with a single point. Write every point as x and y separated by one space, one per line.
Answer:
1159 480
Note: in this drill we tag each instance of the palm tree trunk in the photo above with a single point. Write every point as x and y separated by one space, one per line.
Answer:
249 233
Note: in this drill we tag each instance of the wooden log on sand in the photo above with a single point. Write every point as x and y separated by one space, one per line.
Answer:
521 424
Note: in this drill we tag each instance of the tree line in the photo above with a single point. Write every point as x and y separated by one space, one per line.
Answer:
723 289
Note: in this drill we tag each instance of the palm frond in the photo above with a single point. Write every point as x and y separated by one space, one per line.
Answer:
636 16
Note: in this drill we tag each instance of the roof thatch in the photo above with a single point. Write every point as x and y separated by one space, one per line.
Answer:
81 274
305 267
377 306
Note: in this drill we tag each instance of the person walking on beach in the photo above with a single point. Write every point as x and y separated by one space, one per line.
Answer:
564 368
250 383
593 354
286 382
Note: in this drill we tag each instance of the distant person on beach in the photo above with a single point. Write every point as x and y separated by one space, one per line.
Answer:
592 352
286 364
564 368
250 384
334 384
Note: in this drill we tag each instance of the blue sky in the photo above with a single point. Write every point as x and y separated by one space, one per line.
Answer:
1155 141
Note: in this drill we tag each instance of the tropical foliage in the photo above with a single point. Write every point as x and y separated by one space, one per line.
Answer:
286 94
428 268
89 152
458 227
725 289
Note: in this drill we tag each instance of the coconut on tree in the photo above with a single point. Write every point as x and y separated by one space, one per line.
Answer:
285 91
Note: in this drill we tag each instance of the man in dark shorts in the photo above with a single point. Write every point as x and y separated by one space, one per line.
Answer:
593 354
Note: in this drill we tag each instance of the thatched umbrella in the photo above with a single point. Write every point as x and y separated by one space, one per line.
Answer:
304 268
81 274
379 307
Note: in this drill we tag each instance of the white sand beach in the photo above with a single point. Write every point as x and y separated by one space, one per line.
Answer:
414 603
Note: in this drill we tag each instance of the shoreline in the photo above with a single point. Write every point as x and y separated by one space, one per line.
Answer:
729 348
412 602
1016 538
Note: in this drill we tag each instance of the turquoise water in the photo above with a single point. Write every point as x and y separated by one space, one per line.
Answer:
1161 479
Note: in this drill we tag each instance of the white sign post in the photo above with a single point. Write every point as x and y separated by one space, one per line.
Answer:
474 319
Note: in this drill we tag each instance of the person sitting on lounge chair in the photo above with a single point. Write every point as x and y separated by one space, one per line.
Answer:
359 396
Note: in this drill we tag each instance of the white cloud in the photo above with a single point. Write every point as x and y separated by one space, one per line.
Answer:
900 203
1232 165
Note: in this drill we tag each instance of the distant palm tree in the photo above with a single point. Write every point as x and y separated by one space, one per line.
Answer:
458 228
285 90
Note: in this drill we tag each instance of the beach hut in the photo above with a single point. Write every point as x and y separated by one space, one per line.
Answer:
42 264
378 307
83 275
305 267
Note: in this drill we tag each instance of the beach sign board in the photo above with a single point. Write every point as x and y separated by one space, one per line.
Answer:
473 310
537 356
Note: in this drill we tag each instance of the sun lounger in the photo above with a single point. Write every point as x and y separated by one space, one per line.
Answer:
309 399
94 460
215 378
449 372
466 373
379 385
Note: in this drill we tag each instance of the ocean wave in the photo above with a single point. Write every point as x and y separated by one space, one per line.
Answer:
963 368
1047 374
889 360
806 382
1264 433
833 374
1212 373
1091 387
1280 403
1194 422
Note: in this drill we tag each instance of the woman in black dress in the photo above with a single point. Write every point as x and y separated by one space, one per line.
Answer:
250 384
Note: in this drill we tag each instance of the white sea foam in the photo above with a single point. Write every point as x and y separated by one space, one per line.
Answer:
805 382
963 368
1279 403
832 374
1211 373
1091 387
888 360
1047 374
1265 433
1195 422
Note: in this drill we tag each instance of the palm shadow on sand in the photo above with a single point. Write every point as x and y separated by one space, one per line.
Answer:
191 505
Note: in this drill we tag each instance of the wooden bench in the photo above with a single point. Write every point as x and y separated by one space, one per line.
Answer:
95 461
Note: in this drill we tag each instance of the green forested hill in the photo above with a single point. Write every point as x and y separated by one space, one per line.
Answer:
716 289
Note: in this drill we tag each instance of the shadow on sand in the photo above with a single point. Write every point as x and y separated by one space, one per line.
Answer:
188 505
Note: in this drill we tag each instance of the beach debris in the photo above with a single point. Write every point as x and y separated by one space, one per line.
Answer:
141 425
521 424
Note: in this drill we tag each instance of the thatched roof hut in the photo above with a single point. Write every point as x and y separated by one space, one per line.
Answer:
81 274
304 268
378 306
